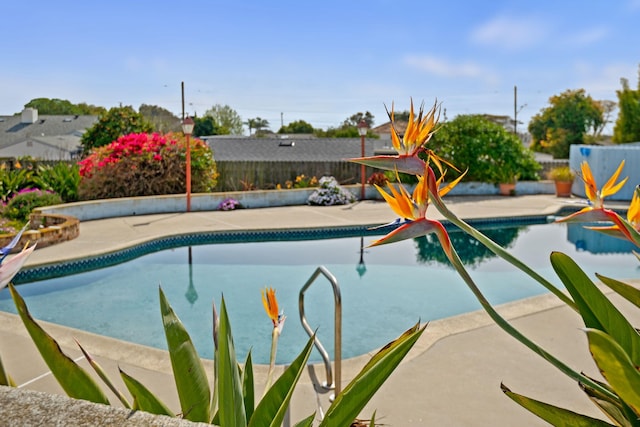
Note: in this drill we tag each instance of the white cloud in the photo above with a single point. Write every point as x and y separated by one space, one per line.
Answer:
444 68
510 33
587 37
603 80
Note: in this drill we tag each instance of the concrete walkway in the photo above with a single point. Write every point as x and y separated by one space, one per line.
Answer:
451 378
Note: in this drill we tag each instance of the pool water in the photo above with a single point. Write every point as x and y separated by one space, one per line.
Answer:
385 289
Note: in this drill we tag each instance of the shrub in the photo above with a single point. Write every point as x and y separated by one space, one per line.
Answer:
378 178
14 180
330 193
486 149
561 173
62 178
21 205
146 165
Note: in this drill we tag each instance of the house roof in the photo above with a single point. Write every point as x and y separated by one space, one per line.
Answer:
290 149
385 128
13 130
62 147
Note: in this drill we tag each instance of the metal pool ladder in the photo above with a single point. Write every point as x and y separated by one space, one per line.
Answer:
332 382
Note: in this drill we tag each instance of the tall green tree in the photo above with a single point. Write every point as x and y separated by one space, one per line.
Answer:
204 126
356 118
227 120
627 127
163 120
486 150
570 116
113 124
299 126
55 106
257 124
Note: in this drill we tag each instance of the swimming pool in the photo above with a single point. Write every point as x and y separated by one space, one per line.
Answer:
384 289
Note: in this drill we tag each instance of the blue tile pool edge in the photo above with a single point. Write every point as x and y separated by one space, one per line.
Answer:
65 268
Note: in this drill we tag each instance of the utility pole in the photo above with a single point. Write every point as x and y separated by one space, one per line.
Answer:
281 119
515 110
182 89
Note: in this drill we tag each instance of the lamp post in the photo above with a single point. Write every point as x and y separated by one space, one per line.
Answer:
187 129
362 130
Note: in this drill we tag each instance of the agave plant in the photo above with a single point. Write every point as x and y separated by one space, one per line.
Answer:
230 399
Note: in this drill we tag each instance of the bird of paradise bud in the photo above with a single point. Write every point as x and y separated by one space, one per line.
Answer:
277 318
412 208
7 271
419 130
10 268
626 229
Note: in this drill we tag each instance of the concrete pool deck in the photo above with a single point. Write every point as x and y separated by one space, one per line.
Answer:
450 378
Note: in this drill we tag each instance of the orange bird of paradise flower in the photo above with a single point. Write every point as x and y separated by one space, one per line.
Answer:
413 209
419 130
271 307
597 212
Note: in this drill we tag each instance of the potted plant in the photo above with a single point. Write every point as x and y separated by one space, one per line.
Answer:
506 180
563 177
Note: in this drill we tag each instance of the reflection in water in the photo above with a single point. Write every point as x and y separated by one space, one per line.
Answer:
191 294
361 268
471 252
596 242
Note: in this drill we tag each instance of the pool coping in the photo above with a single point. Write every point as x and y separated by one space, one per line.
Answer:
137 249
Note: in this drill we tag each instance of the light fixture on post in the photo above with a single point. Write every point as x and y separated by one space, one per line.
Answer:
187 130
363 127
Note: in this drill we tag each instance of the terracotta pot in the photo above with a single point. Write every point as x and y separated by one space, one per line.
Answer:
563 188
507 189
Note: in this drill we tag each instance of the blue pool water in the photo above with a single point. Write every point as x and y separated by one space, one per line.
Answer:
401 284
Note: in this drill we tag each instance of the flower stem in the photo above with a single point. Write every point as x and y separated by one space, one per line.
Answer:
501 252
272 358
508 328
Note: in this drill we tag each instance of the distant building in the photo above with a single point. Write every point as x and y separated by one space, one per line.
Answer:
45 137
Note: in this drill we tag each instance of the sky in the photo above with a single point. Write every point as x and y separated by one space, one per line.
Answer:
317 61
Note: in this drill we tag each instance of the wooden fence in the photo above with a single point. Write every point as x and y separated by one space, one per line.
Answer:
241 175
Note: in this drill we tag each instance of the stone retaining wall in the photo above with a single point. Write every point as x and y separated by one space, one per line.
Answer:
45 229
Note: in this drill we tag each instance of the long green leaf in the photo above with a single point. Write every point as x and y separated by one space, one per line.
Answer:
630 293
248 389
554 415
230 399
617 411
273 406
348 404
143 399
307 422
188 370
616 367
5 379
74 380
594 307
104 377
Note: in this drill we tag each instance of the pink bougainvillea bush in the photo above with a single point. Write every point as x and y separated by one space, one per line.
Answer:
141 164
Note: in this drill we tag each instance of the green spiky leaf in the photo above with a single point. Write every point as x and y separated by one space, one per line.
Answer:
554 415
596 310
348 404
74 380
143 399
231 411
273 406
616 367
188 370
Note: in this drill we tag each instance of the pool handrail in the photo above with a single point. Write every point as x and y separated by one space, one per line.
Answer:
332 382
